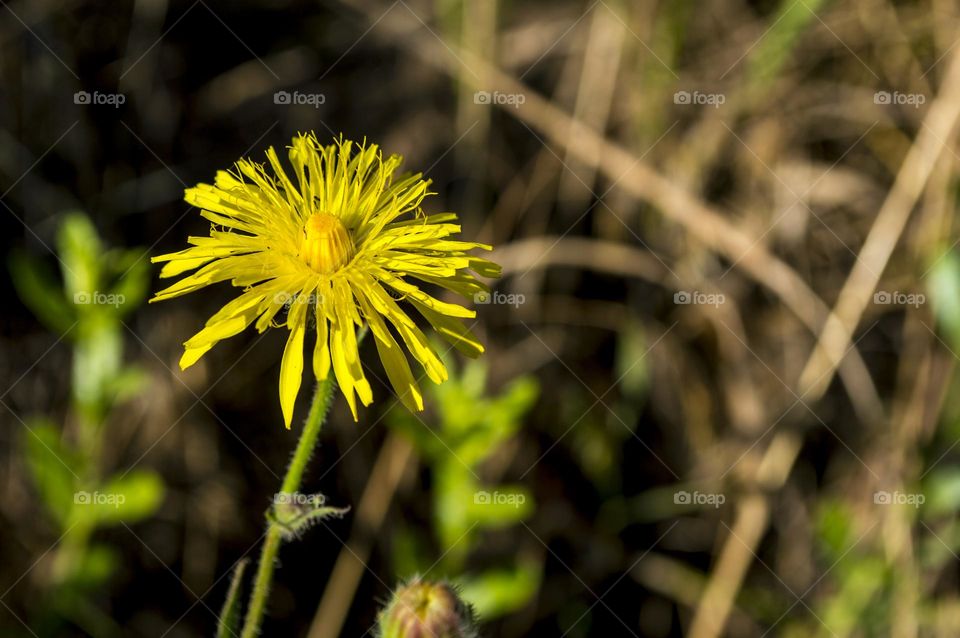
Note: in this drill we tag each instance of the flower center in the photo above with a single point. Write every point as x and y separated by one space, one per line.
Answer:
326 244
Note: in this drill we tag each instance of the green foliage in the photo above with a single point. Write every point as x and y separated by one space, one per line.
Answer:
472 427
774 49
99 288
944 288
942 489
501 591
86 306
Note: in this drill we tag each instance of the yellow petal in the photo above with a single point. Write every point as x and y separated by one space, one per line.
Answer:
452 330
341 368
291 368
393 359
230 320
398 371
321 352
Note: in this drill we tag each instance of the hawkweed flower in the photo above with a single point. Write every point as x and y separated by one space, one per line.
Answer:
342 245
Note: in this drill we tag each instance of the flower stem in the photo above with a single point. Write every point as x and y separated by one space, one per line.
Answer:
291 484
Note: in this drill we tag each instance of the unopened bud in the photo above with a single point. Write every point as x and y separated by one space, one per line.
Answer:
294 513
422 609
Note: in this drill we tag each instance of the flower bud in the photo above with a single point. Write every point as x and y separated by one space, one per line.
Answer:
422 609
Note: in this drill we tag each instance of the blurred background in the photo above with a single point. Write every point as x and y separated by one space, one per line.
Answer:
719 394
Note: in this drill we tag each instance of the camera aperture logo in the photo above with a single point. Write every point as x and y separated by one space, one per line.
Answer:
698 498
287 299
697 298
505 99
902 99
497 298
299 99
97 98
296 498
99 498
898 498
97 298
498 498
696 98
897 298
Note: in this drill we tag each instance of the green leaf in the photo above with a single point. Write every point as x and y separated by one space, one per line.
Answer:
495 593
126 499
97 563
410 555
418 434
835 527
41 292
860 581
97 360
505 413
493 421
781 39
81 253
229 624
631 362
501 506
943 488
132 287
128 383
454 489
944 288
53 466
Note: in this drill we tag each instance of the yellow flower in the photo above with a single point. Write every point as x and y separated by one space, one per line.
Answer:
339 249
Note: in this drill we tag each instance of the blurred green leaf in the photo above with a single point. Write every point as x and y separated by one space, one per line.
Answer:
97 360
453 497
53 466
861 581
835 528
127 499
128 383
631 367
97 564
81 253
133 285
780 40
942 489
495 593
502 506
472 428
41 292
408 552
944 288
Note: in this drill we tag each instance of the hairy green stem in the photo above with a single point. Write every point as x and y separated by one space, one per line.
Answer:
291 484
